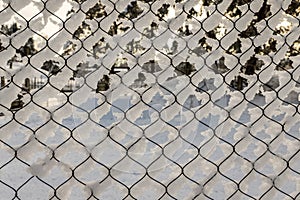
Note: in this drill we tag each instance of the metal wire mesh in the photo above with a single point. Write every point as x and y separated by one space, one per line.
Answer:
149 99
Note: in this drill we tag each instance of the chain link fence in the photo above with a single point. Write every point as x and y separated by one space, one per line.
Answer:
184 99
